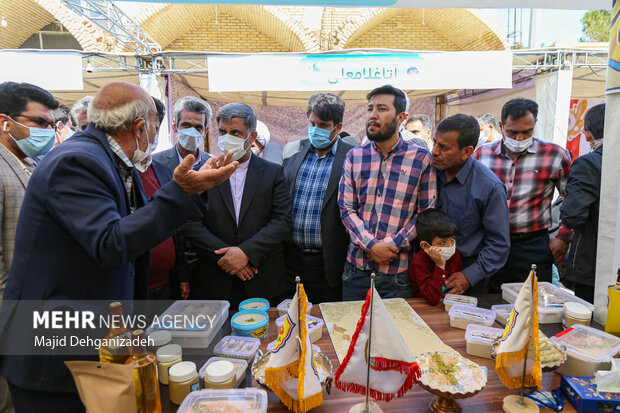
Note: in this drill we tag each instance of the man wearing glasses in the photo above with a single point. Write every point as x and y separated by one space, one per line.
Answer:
27 130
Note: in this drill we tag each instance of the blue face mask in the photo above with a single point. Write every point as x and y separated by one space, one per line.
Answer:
319 138
38 143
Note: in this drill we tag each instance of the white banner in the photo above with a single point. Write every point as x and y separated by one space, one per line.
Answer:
49 70
430 70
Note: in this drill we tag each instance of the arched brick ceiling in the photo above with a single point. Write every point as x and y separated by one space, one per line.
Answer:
174 21
25 17
466 29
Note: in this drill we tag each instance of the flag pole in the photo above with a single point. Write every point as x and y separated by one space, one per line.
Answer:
297 282
521 403
366 408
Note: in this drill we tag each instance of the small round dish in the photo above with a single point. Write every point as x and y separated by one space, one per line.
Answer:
449 376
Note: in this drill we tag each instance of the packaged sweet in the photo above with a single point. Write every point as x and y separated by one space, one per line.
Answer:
503 312
285 304
587 350
463 315
225 401
450 299
237 347
480 340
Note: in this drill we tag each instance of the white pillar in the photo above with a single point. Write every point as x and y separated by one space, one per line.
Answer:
155 86
553 93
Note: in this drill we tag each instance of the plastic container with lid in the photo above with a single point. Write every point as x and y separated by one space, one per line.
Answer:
167 356
502 312
211 376
213 400
450 299
250 323
463 315
551 300
237 347
192 323
158 339
315 326
576 313
254 304
587 350
183 379
285 304
480 340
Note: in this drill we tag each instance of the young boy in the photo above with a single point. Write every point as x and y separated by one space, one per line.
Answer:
438 259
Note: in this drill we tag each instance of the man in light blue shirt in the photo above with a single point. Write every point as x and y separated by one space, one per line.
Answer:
475 199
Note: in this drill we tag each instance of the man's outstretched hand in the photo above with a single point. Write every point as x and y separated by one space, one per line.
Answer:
215 171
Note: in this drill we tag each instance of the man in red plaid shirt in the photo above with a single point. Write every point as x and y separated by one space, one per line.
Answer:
531 169
385 184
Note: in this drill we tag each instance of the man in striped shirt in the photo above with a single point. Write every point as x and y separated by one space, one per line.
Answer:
384 185
531 169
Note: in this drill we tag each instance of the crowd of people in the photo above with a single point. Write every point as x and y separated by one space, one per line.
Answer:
90 212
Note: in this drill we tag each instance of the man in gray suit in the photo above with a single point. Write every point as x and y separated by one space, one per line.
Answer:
27 129
190 124
316 247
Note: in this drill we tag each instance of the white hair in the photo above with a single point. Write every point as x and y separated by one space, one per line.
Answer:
119 118
81 105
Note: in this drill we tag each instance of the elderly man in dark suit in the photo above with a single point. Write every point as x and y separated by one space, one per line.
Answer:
239 242
190 123
85 216
316 248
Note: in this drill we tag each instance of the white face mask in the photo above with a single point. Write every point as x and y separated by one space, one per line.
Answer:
190 139
229 143
516 146
139 155
448 252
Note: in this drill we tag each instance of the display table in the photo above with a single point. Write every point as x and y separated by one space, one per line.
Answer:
416 400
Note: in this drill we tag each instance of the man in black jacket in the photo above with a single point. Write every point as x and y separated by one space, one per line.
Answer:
239 242
316 248
579 210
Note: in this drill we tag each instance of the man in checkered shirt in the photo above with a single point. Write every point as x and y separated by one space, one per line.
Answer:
531 169
384 185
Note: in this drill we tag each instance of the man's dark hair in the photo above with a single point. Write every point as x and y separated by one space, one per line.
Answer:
400 101
519 107
161 109
595 121
61 114
14 97
326 106
432 223
467 126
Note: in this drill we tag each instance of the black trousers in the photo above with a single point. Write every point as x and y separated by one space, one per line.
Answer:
311 269
29 401
524 251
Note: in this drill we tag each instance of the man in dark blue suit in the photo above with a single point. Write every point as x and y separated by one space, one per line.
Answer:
86 220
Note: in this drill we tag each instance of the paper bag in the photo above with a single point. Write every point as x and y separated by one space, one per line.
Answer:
104 387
